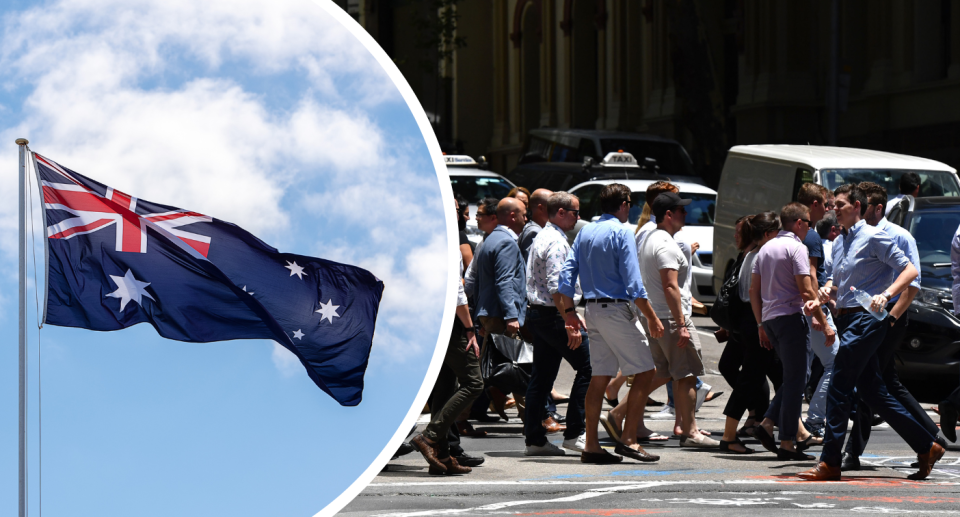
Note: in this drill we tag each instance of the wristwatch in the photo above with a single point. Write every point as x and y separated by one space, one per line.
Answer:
887 294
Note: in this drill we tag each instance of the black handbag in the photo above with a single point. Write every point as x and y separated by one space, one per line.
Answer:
726 308
507 363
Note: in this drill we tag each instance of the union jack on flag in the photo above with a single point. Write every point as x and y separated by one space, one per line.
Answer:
115 260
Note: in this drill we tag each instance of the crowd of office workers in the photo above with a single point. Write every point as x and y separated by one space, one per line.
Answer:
827 277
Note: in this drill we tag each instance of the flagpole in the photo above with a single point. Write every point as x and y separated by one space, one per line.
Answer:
22 142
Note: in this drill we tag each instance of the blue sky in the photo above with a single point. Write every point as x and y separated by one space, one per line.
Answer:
270 115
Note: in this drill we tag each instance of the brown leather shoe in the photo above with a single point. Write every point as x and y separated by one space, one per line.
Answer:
552 426
822 472
451 468
927 460
428 451
638 454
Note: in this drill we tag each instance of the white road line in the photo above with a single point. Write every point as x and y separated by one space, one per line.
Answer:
626 485
597 492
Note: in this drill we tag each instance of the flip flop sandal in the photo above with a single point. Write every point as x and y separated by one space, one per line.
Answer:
653 437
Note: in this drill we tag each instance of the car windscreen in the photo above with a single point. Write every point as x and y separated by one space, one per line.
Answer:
932 183
700 211
670 156
475 188
933 230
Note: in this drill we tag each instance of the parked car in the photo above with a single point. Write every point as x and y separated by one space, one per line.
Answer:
930 350
756 178
470 180
558 159
698 227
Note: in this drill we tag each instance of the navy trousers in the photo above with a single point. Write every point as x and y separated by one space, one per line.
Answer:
549 348
789 336
857 366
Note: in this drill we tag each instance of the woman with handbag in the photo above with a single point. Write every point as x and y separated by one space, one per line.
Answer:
743 350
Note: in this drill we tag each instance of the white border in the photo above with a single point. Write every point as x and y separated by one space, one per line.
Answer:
453 258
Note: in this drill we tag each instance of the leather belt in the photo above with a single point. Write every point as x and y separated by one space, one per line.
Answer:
850 310
606 300
543 308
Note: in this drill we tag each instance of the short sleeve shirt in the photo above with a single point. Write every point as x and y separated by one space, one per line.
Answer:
814 245
661 251
777 263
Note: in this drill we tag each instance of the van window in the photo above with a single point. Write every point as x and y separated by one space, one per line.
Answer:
932 183
803 176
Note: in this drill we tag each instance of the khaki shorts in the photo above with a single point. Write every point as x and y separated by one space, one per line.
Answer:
616 341
671 360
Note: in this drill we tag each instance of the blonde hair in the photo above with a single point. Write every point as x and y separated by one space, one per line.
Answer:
653 191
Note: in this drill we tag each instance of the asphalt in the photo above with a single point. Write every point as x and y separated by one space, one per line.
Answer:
684 481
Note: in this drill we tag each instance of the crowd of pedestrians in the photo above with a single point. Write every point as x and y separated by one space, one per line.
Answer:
808 288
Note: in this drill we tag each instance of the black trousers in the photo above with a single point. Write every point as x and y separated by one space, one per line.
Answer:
750 388
862 414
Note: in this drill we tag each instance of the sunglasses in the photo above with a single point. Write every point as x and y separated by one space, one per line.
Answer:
576 213
806 221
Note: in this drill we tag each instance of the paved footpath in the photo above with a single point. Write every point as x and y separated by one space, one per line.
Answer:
684 481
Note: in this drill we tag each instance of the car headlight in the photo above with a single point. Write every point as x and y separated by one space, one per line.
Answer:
928 297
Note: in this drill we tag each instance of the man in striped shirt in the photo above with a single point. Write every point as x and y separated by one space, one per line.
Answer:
864 258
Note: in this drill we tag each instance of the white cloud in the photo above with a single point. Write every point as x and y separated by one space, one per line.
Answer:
154 98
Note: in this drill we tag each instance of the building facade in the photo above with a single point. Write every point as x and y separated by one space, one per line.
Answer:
708 73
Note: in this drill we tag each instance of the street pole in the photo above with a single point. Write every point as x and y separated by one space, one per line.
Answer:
22 142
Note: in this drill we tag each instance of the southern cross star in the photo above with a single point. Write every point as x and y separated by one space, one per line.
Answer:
295 269
297 334
129 288
328 311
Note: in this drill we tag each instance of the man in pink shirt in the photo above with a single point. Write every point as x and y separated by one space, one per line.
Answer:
779 287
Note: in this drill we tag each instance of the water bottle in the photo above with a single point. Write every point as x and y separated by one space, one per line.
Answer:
865 301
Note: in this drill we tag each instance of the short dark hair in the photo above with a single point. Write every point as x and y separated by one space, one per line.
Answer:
489 205
764 222
560 200
612 196
824 225
854 195
909 182
876 195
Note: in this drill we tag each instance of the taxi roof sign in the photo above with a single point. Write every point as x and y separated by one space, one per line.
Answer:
619 159
459 159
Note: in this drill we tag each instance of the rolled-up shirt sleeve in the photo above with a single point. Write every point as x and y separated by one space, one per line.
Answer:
630 266
914 257
461 294
883 247
556 258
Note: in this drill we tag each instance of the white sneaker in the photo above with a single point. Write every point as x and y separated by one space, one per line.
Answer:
547 449
667 413
578 444
698 440
702 394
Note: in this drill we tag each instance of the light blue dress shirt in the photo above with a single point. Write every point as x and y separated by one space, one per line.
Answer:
907 244
604 256
864 258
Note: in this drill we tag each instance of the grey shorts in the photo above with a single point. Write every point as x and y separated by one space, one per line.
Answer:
617 342
671 360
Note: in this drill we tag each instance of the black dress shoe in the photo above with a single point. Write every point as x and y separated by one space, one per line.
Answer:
785 455
483 417
653 403
765 439
469 461
557 416
876 420
404 449
849 462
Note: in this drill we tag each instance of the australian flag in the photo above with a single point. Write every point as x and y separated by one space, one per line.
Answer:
115 260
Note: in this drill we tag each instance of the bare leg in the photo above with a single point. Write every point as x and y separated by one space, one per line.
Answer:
613 388
685 401
730 435
593 403
637 400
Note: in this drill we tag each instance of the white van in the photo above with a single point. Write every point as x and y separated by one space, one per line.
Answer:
757 178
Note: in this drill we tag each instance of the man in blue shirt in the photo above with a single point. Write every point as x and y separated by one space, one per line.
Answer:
860 434
864 258
604 257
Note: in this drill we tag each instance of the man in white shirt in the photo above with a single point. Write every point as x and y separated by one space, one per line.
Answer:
553 341
664 268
